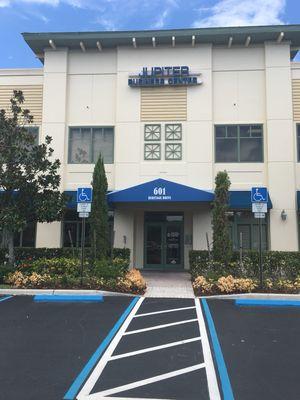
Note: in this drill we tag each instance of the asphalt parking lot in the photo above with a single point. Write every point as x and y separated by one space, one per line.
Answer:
149 348
261 349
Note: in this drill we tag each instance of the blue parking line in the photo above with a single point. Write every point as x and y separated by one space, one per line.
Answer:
73 390
39 298
6 298
224 378
267 303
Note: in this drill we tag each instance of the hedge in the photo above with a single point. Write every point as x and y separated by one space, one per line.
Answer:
276 265
26 253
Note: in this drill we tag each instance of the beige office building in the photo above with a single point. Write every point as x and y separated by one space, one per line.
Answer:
167 110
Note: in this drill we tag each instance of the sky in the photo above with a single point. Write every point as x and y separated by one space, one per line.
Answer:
17 16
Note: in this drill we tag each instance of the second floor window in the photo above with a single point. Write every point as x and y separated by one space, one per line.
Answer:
239 143
87 143
156 141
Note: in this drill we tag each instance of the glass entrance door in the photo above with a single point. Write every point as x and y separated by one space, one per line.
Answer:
163 241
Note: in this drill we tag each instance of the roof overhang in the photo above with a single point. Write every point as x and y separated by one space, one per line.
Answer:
160 191
245 35
163 191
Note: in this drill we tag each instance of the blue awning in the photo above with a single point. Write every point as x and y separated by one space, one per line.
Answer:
160 190
167 191
241 199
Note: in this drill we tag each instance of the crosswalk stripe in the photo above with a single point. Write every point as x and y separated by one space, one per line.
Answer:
164 311
154 348
151 328
144 382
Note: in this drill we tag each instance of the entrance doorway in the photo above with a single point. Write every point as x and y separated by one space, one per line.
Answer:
163 240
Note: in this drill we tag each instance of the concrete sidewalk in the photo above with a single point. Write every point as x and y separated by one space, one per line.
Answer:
168 284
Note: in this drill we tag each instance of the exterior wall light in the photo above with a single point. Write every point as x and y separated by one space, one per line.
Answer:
283 215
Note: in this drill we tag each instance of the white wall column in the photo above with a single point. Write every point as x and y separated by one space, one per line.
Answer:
280 147
54 125
124 230
201 226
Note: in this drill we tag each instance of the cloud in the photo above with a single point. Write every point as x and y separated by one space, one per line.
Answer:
241 12
113 14
4 3
160 22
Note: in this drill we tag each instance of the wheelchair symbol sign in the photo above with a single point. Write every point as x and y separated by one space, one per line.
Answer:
84 195
259 195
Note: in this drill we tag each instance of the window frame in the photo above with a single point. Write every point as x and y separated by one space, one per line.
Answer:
173 143
163 142
91 142
238 139
298 141
247 220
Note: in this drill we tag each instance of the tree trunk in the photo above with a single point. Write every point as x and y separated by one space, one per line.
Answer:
10 246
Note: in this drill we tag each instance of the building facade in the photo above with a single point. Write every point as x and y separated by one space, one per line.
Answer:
168 110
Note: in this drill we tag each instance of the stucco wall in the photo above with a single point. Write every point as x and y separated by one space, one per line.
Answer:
240 86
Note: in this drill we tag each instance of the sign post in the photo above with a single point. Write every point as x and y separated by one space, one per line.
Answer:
259 200
84 200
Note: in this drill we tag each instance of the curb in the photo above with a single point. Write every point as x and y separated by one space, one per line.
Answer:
31 292
261 296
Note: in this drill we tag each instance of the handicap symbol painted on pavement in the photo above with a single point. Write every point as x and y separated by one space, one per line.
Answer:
259 195
84 195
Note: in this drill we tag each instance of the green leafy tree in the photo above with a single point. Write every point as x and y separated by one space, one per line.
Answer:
99 213
222 247
29 176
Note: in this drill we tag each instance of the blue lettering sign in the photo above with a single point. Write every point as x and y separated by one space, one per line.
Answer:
161 76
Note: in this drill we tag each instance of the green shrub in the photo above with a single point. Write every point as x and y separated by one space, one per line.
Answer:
276 265
5 269
31 253
103 269
121 253
53 266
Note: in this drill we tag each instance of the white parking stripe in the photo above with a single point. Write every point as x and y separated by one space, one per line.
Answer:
124 398
154 348
164 311
213 387
151 328
147 381
91 381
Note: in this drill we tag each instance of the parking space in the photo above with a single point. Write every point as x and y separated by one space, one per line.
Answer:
131 347
44 346
261 348
160 352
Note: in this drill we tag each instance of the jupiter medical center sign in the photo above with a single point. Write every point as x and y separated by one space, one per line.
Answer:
164 76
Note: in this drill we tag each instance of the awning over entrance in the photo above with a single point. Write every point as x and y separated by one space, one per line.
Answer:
241 199
160 190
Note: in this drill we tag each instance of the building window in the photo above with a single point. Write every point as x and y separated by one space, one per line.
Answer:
244 231
152 132
152 151
26 238
71 229
172 149
298 140
239 143
87 143
173 132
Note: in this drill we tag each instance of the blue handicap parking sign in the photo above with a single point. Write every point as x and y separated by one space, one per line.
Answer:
259 195
84 195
